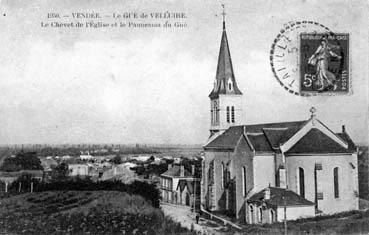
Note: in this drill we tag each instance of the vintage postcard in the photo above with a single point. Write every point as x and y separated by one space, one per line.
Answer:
184 117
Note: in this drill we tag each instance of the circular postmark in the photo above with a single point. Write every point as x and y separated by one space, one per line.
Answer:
307 58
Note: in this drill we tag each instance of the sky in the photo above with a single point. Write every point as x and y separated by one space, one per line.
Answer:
151 85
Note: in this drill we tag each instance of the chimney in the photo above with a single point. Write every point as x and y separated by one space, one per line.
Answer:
343 129
181 171
169 166
193 169
267 193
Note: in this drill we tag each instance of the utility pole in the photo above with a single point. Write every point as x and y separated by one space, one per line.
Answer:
285 215
194 197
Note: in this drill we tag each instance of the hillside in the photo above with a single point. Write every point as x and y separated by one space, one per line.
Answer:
83 212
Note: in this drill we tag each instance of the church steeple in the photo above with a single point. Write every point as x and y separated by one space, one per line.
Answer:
225 98
225 82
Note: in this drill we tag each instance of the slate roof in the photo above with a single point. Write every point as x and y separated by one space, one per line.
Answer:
276 198
269 137
317 142
224 70
175 172
263 137
189 184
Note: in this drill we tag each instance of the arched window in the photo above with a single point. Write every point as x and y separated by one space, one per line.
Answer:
232 113
229 84
244 181
215 111
222 174
251 214
212 115
301 182
228 114
336 183
271 216
260 215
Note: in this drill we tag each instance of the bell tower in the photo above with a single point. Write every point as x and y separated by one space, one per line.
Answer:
225 98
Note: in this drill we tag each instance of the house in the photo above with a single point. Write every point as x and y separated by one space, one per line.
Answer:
120 172
267 206
78 169
142 158
9 177
48 163
87 157
169 182
315 163
186 191
177 160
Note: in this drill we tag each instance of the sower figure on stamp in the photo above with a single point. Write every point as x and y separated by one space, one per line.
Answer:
320 59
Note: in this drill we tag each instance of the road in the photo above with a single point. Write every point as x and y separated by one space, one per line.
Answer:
183 215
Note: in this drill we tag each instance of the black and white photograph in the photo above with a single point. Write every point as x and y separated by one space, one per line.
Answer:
184 117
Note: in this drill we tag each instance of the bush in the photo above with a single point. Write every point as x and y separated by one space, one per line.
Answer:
146 190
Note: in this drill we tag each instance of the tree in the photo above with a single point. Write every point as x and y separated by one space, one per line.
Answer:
22 161
151 159
60 172
117 160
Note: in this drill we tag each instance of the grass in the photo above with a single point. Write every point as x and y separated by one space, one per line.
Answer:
352 222
83 212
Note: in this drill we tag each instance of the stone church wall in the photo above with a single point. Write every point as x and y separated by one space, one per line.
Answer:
348 183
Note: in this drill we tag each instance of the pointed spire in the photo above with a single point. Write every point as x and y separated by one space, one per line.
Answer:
225 79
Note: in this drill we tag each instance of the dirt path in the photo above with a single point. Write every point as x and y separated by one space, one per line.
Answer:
187 219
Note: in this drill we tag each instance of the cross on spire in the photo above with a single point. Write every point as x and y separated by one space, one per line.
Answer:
313 111
223 14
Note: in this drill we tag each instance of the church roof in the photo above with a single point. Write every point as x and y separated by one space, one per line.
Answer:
224 70
269 137
276 198
317 142
262 137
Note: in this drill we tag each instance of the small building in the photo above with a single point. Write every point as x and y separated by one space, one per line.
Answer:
120 172
87 157
48 163
177 160
186 192
267 206
78 169
169 182
142 158
9 177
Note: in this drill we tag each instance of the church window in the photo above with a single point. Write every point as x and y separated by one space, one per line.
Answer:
222 174
244 181
336 186
232 114
227 114
215 112
212 116
260 215
271 216
230 84
301 182
251 214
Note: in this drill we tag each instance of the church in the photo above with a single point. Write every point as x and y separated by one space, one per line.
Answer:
254 172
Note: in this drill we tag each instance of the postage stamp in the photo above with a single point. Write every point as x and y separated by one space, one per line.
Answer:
324 62
307 59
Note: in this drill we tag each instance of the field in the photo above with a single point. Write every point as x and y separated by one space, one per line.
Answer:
352 222
83 212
